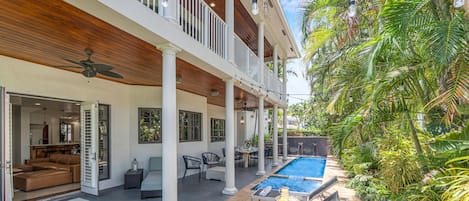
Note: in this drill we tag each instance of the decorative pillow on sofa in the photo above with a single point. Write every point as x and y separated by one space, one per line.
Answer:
66 159
74 159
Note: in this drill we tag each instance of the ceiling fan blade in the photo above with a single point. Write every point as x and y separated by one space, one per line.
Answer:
101 67
68 66
71 61
111 74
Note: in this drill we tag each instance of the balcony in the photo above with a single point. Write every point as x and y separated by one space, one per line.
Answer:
202 24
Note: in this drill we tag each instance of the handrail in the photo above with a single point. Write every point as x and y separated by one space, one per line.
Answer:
198 20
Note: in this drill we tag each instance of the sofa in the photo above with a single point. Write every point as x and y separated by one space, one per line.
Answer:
152 185
62 162
34 180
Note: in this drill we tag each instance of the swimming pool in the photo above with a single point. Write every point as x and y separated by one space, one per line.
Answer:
302 175
304 167
296 184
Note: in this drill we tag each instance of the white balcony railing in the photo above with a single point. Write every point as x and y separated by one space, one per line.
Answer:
246 60
200 22
272 81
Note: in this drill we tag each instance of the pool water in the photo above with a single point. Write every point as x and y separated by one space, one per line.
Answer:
304 167
294 184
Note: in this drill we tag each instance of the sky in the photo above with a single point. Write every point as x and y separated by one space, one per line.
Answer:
297 87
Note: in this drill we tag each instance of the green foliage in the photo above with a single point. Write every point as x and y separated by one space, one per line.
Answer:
398 162
373 75
360 159
255 139
456 180
369 188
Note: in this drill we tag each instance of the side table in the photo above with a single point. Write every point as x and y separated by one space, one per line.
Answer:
133 179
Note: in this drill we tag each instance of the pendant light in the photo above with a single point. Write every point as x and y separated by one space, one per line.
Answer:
352 9
255 7
164 3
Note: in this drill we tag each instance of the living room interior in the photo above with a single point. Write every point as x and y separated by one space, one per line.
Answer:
45 146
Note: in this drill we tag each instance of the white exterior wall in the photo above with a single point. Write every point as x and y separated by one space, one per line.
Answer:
144 96
29 78
193 103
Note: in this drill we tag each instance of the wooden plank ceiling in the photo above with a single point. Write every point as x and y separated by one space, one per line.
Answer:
45 32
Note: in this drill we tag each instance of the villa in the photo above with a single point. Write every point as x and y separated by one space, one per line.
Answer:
88 86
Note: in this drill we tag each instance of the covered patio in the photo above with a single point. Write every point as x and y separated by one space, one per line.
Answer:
188 189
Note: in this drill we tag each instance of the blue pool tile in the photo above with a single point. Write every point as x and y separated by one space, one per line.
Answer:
293 184
304 167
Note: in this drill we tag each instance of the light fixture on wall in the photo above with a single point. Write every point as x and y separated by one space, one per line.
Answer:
266 8
255 7
352 9
164 3
214 92
245 108
178 78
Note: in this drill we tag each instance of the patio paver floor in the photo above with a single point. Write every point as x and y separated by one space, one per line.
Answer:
188 189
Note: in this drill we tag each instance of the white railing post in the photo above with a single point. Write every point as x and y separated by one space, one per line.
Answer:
260 50
247 63
170 11
206 27
229 17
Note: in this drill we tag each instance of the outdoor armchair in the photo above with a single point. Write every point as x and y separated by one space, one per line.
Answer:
192 163
210 159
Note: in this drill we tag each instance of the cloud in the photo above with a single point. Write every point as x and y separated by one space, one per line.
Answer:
291 6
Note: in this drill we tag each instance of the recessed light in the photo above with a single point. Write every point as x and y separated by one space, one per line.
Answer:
77 104
37 104
212 4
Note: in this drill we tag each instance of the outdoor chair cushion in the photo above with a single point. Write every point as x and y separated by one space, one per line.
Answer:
153 181
155 164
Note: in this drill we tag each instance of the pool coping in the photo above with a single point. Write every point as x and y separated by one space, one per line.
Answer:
246 192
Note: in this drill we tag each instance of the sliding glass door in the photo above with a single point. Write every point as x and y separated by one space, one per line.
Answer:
5 147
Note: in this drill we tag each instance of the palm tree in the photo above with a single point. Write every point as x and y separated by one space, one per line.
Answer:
383 66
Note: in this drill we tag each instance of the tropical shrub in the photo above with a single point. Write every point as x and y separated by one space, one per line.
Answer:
456 180
369 188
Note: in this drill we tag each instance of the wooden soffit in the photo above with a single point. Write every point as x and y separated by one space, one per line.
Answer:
45 32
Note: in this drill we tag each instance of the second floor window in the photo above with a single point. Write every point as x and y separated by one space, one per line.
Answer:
190 126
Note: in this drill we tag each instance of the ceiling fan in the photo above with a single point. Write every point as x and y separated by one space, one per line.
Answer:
90 68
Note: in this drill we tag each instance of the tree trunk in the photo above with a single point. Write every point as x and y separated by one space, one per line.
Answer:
414 136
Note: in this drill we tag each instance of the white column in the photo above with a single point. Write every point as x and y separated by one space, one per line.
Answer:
261 169
169 119
285 139
275 136
260 51
284 135
230 188
276 60
170 12
229 16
